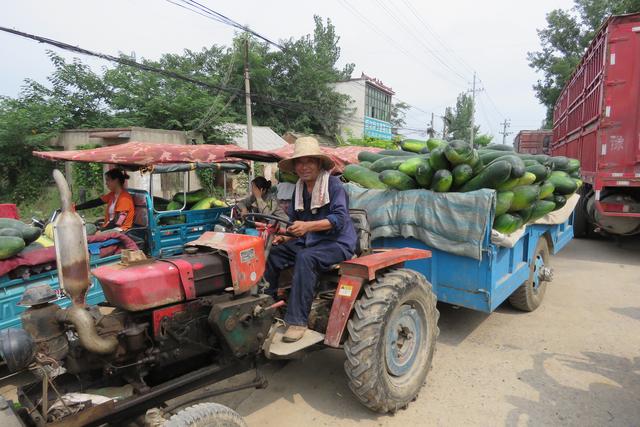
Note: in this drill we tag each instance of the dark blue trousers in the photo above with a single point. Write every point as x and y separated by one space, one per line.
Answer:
307 263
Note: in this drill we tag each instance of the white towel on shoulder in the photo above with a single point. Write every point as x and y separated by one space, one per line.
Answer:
319 195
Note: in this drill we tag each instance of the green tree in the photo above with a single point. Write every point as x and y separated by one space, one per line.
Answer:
399 114
291 90
458 118
564 41
482 140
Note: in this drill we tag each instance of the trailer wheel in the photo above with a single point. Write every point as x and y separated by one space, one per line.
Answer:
206 415
392 339
529 296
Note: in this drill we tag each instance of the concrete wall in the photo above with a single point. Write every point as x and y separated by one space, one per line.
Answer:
163 185
355 123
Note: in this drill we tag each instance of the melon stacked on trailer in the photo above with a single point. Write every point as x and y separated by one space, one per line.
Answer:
528 186
16 236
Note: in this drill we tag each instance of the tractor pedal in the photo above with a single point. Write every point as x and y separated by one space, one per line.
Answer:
276 348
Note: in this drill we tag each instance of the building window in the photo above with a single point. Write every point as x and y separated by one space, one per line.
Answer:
377 103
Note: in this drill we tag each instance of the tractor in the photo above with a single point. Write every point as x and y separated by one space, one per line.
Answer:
171 325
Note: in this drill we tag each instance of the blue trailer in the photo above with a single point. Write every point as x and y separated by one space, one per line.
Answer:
519 274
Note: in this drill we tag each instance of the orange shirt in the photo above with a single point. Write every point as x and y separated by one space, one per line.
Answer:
124 204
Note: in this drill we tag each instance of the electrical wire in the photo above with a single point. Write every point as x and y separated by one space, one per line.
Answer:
207 12
453 55
309 107
420 41
372 26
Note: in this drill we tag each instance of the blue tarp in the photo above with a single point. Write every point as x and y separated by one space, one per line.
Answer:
452 222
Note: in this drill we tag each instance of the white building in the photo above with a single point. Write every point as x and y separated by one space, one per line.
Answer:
371 116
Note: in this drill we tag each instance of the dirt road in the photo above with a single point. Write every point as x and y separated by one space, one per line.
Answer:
574 361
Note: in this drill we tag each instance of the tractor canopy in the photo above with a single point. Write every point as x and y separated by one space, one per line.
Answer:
159 158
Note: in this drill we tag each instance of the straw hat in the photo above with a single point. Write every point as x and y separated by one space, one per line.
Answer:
306 146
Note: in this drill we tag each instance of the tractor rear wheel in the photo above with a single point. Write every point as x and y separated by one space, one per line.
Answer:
392 339
206 415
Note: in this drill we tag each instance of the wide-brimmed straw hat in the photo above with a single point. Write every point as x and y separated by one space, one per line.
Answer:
307 146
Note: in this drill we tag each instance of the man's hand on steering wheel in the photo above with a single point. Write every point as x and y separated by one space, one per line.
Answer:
299 228
275 220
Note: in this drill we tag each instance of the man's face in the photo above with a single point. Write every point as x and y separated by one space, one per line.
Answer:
307 168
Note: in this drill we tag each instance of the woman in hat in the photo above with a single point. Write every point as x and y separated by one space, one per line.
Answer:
323 230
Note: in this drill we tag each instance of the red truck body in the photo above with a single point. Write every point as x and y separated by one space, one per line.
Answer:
533 141
597 120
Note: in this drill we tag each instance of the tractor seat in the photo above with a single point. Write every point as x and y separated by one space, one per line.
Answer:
363 232
138 233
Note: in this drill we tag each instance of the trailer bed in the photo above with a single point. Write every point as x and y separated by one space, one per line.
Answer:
482 284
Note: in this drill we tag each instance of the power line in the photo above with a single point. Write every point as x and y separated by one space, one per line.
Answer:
372 26
435 35
461 60
207 12
484 114
420 41
298 106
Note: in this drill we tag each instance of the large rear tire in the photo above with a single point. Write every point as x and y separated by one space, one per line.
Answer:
392 339
581 225
529 296
207 414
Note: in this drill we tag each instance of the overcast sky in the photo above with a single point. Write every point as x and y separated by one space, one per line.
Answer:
426 51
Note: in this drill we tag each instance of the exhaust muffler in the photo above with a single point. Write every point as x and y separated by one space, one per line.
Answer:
72 258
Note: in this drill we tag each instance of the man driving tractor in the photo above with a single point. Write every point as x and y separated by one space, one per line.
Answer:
323 230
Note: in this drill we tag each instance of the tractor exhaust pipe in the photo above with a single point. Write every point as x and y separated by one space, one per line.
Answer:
86 327
73 271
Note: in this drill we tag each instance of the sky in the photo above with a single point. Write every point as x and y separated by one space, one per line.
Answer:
426 51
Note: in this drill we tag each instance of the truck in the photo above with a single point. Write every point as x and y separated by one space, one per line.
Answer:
533 141
596 119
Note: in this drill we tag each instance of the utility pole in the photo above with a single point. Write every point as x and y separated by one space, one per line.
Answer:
431 131
505 125
247 99
473 109
444 127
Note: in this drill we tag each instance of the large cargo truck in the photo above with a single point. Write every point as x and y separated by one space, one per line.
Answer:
597 120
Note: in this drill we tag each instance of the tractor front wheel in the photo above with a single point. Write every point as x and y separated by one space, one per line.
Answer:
205 415
392 339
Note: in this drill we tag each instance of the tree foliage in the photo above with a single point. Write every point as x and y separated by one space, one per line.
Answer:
398 114
291 90
458 118
564 41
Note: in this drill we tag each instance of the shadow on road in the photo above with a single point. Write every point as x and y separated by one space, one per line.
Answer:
319 381
622 251
457 323
632 312
611 399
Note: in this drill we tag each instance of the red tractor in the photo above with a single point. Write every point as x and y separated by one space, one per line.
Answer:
175 324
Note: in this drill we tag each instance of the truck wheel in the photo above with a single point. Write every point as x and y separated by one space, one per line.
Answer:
529 296
392 338
581 224
206 415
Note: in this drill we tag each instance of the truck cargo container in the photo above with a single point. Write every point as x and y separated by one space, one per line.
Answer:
596 119
533 141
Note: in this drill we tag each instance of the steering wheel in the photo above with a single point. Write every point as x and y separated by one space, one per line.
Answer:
269 217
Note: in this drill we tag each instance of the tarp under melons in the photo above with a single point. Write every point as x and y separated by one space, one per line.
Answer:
453 222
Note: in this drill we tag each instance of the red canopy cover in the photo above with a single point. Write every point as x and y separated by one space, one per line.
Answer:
342 156
148 153
143 154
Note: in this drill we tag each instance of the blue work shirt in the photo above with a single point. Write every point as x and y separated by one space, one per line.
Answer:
336 211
